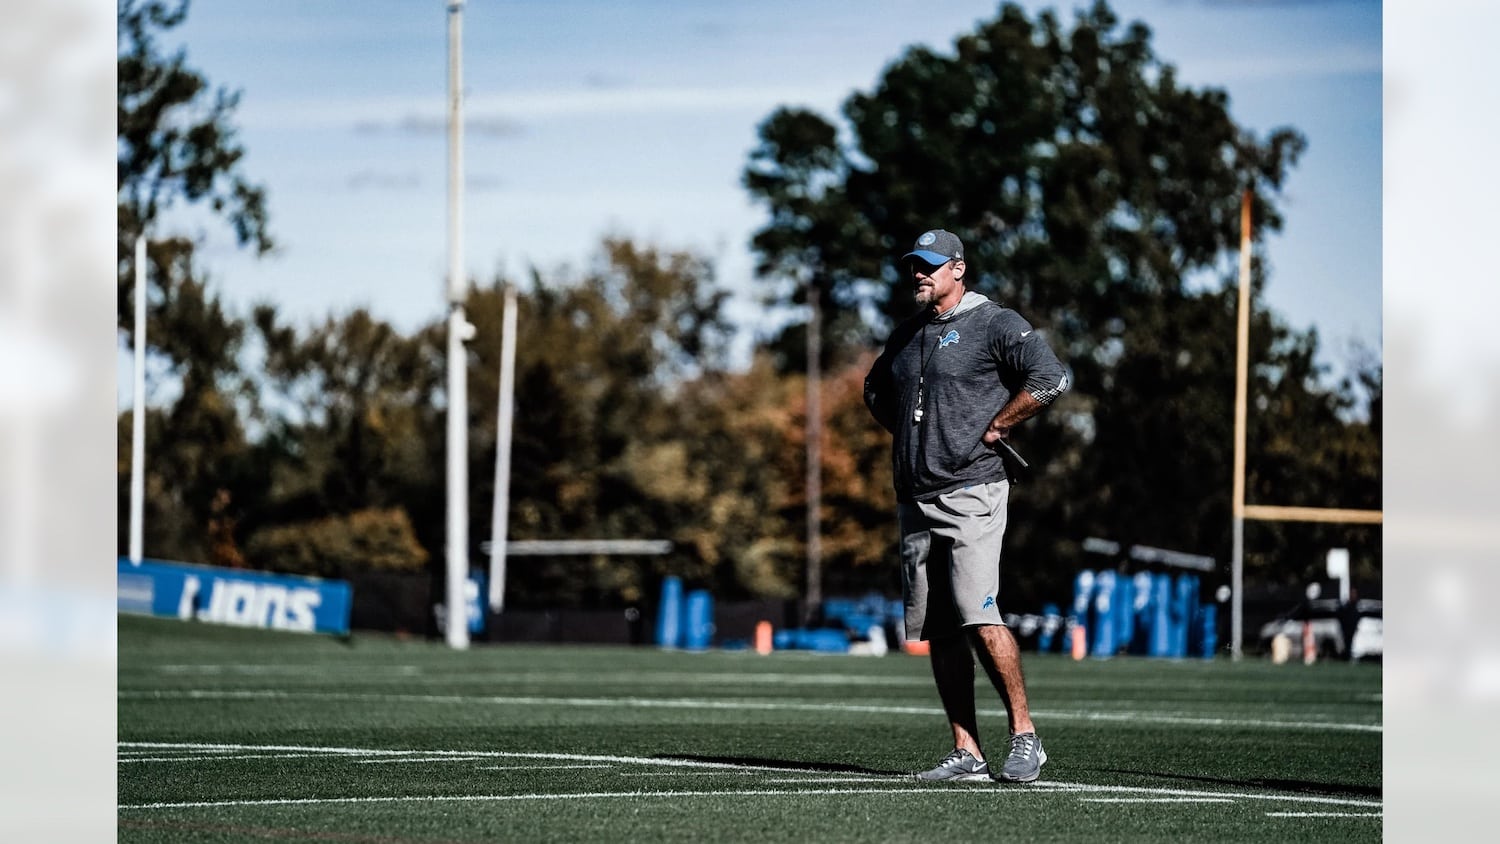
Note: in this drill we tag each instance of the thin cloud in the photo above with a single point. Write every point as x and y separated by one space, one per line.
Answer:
596 79
424 125
626 100
378 180
382 181
1282 3
1334 62
500 115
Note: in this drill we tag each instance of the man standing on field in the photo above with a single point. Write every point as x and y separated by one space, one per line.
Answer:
952 382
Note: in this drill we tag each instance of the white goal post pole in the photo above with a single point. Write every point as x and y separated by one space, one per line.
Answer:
138 410
505 414
459 330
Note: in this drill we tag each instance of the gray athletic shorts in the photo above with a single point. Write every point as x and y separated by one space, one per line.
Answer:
950 559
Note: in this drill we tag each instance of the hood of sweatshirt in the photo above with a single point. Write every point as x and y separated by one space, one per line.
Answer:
970 301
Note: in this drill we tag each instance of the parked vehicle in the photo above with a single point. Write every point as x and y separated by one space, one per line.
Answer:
1326 620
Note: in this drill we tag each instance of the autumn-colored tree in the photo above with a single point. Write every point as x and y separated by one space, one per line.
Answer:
339 546
601 357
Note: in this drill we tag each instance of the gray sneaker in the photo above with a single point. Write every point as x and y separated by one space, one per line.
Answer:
1024 764
958 766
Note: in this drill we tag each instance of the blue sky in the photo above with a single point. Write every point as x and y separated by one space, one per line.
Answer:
588 117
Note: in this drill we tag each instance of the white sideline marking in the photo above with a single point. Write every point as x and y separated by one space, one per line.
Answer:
535 767
197 753
469 755
1178 792
417 759
1202 721
217 758
717 677
688 773
1041 786
869 778
1155 800
757 705
592 795
1324 814
285 670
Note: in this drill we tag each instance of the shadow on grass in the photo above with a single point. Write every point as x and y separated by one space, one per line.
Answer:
1295 786
783 764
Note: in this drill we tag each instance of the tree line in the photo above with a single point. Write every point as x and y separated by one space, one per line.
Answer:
1096 194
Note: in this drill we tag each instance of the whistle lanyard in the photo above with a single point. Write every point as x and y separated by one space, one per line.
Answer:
916 416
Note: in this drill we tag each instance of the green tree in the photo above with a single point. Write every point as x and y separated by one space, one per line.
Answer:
175 139
1072 164
1100 197
346 410
1314 447
176 146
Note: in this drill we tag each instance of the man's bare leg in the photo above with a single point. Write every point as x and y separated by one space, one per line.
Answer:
953 669
1001 658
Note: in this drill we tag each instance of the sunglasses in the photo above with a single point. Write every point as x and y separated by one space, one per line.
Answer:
914 265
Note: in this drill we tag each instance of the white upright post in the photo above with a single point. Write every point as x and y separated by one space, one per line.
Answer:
1338 569
500 517
458 331
138 408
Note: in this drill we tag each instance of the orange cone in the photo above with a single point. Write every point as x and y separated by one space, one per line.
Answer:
763 637
1080 642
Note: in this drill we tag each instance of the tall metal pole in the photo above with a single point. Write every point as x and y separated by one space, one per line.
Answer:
500 517
138 411
1241 381
459 330
814 433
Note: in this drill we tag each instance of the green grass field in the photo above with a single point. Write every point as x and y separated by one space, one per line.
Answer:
241 735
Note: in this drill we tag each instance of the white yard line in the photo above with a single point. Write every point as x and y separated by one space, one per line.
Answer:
1155 800
1179 792
219 758
1324 814
1178 719
1040 787
636 677
591 795
417 759
149 752
869 778
688 773
282 670
1188 720
535 767
468 755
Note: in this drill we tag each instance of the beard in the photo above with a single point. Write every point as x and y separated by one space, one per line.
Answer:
926 295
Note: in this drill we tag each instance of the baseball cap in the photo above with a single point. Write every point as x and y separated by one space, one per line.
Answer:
937 246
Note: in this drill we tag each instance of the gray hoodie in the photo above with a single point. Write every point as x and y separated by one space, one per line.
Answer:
966 364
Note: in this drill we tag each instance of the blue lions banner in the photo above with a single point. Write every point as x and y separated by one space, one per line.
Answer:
234 596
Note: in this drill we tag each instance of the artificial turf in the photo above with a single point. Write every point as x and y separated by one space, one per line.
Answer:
242 735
